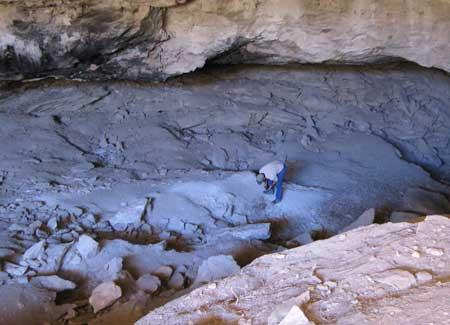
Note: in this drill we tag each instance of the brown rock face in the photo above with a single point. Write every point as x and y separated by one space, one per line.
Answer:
380 274
161 38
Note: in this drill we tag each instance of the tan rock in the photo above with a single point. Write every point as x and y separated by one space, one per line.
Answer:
269 286
181 36
104 295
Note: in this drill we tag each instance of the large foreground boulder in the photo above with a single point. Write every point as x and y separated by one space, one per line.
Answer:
379 274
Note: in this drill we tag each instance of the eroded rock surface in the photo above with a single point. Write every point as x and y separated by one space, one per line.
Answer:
368 275
157 39
127 181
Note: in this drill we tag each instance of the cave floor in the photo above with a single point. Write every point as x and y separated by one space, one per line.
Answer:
183 155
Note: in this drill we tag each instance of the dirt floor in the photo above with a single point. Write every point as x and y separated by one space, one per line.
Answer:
138 183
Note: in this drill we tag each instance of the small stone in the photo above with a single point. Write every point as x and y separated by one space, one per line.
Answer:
216 267
163 272
87 246
415 254
52 223
148 283
104 295
434 251
67 237
176 281
423 277
53 283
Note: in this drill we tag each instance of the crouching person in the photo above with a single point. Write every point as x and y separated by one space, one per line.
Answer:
271 177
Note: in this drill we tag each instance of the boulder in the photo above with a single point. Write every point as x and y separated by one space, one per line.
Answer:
104 295
364 276
129 215
148 283
365 219
86 246
216 267
176 281
163 272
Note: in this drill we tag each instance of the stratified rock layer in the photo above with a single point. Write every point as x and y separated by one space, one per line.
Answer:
380 274
157 39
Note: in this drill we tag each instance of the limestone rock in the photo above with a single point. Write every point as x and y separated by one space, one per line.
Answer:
423 277
35 252
349 269
158 39
259 231
365 219
400 216
295 317
131 214
163 272
53 283
14 269
148 283
176 281
216 267
398 279
104 295
86 246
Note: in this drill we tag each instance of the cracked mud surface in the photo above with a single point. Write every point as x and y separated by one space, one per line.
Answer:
176 162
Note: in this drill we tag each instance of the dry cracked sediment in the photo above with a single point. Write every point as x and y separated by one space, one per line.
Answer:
142 184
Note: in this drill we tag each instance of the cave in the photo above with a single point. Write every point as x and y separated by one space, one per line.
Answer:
132 134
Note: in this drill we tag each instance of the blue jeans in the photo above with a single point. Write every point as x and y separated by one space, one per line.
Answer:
279 184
